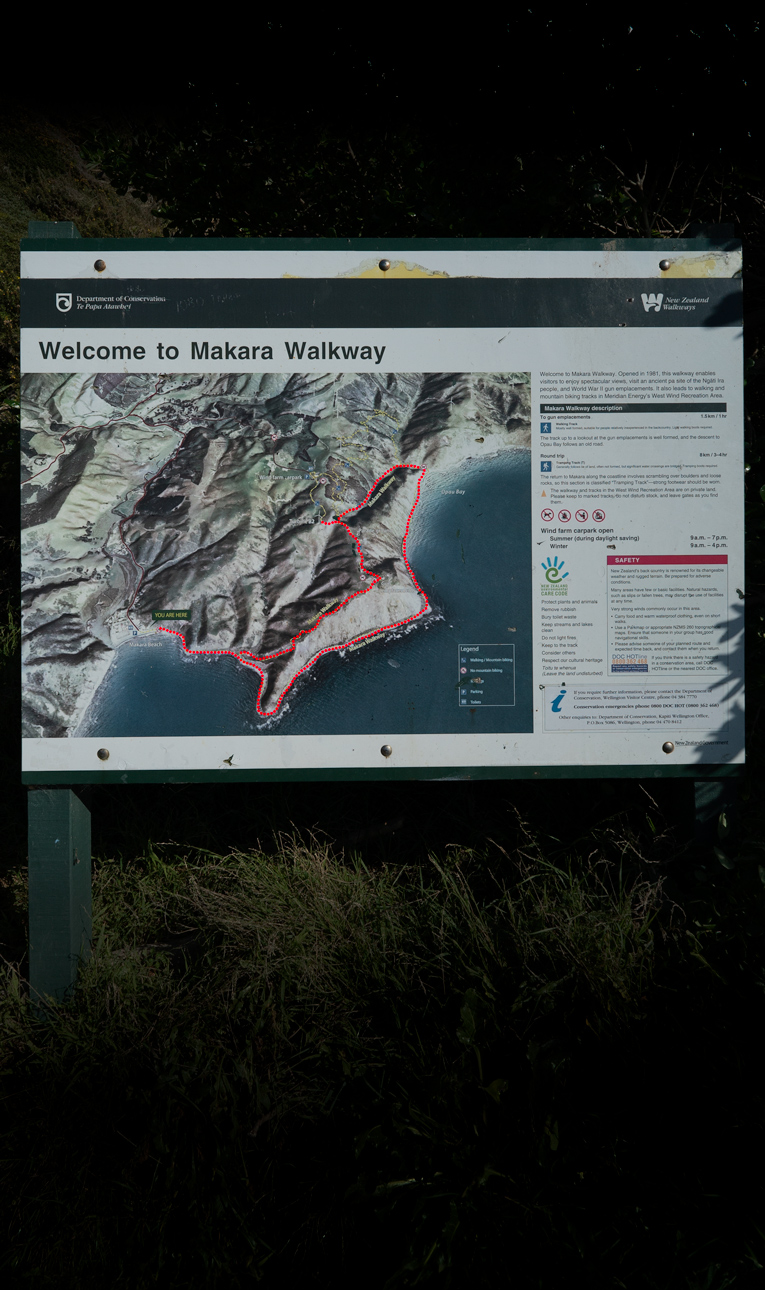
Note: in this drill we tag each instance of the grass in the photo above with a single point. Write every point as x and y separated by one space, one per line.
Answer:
288 1064
10 636
45 176
462 1044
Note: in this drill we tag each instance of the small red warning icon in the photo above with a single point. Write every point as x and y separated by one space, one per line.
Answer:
598 516
582 517
548 515
564 516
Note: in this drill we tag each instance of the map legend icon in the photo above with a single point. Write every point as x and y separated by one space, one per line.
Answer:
486 675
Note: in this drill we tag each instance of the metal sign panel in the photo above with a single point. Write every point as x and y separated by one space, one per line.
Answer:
404 509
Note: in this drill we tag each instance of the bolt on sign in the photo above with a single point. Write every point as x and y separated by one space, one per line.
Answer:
354 509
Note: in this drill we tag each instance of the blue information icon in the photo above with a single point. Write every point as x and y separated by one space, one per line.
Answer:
546 466
546 427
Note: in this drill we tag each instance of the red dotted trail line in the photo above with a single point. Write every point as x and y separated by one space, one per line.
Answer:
251 660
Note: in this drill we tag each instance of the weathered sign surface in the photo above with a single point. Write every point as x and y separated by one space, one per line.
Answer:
283 507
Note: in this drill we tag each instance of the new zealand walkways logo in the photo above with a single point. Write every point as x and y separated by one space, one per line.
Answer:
554 584
652 301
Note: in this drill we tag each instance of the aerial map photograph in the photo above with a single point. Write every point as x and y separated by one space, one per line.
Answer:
242 538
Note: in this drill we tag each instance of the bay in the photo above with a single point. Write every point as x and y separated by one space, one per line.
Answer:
470 549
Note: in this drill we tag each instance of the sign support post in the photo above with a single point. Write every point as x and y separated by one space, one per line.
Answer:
716 808
259 474
60 917
60 912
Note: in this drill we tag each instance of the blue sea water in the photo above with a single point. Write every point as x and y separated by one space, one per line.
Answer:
471 554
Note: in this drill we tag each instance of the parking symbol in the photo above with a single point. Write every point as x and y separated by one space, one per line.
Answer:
546 466
546 427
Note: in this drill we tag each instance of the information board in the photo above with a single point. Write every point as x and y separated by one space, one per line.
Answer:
380 509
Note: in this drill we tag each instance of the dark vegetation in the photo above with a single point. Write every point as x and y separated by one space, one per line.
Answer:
398 1034
527 1061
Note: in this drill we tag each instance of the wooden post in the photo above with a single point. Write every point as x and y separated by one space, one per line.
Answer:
716 803
60 911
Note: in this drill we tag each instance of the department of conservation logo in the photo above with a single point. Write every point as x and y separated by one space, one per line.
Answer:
652 301
63 301
554 584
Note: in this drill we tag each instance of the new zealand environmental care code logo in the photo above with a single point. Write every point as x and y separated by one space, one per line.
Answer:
554 583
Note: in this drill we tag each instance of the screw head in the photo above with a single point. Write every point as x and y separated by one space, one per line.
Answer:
99 266
384 265
386 750
664 265
103 754
668 747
